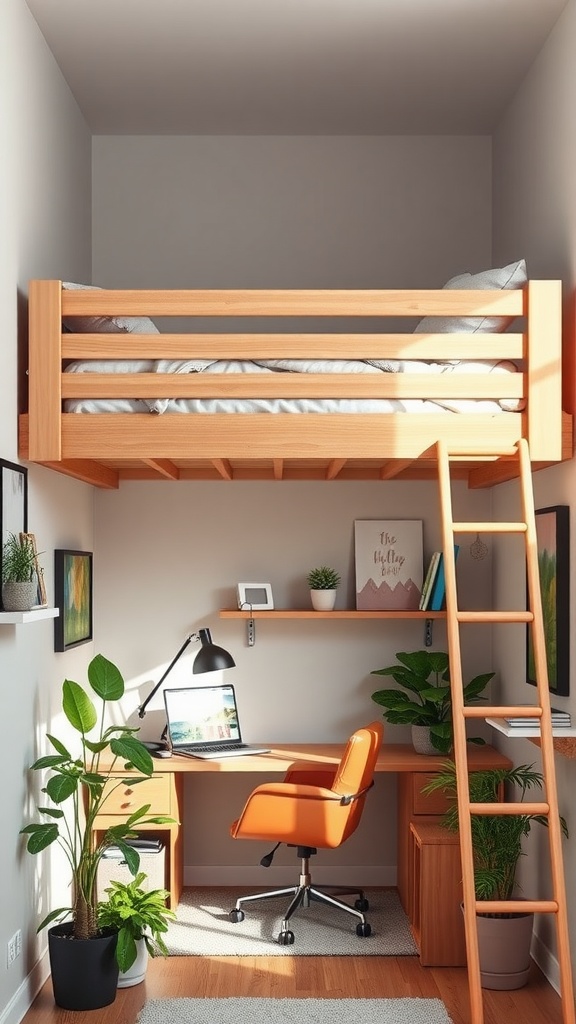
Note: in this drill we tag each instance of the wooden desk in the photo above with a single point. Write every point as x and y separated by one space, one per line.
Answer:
164 791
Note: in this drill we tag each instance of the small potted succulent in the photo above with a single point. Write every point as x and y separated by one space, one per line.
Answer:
19 582
141 917
323 583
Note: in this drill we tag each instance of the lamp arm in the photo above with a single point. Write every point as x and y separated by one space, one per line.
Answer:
187 642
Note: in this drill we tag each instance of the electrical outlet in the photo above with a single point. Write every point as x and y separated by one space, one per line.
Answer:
14 948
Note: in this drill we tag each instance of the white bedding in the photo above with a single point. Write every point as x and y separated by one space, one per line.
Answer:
290 405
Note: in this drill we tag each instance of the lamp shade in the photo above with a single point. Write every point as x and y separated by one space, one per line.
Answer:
210 657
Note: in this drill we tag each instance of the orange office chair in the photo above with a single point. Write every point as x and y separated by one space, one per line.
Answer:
316 805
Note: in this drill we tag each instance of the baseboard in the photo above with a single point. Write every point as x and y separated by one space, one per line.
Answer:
26 993
274 877
546 961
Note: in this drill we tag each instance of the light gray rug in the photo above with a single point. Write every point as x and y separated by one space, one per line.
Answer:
294 1011
203 927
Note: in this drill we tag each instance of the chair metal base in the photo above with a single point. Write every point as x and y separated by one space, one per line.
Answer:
302 895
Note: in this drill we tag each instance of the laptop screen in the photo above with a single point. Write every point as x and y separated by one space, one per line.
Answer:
202 714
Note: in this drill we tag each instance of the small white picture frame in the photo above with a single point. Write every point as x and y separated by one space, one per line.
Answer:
255 597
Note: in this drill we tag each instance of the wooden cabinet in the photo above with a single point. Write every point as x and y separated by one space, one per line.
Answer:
437 921
163 791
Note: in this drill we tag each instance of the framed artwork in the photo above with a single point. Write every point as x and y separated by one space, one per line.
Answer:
13 502
553 540
41 598
73 596
389 564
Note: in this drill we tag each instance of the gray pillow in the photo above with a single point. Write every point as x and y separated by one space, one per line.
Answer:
512 276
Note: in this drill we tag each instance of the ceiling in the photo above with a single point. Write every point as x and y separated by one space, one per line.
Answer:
294 67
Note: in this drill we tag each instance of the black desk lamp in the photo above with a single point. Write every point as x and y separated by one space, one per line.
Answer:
210 658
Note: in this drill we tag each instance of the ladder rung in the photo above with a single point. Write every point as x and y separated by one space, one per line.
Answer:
510 808
489 527
495 616
512 711
516 906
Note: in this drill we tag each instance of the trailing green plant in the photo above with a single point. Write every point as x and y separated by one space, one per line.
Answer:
323 578
496 838
18 559
426 677
84 781
136 913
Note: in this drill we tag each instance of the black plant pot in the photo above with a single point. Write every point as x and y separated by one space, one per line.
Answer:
84 971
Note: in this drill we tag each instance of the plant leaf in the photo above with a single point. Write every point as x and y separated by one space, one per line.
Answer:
132 750
60 787
78 707
40 836
105 678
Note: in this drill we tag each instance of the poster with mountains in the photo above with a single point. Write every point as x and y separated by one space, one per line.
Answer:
389 564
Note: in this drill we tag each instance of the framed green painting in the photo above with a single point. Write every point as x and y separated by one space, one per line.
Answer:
73 596
553 545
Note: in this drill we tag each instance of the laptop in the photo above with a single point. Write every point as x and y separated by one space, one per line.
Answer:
203 722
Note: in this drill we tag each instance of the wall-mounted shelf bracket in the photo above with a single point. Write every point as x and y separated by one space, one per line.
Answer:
428 633
251 632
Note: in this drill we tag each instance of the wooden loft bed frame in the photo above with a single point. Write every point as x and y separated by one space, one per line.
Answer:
106 448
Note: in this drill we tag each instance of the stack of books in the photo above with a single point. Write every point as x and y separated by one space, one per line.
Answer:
560 720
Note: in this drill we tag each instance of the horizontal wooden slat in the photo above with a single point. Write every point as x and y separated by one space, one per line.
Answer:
308 302
293 346
282 436
291 385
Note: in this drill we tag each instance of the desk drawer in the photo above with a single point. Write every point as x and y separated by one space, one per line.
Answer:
126 799
427 803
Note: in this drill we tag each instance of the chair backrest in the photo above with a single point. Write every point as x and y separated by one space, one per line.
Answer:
356 769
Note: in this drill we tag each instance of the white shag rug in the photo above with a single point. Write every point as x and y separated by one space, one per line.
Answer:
294 1011
203 927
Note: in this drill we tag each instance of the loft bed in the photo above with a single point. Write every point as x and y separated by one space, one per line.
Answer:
366 405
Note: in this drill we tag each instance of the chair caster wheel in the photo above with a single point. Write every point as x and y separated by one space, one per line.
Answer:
286 939
236 916
363 930
362 904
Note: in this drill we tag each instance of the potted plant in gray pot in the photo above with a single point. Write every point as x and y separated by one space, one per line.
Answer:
141 918
323 583
425 700
82 954
503 938
19 582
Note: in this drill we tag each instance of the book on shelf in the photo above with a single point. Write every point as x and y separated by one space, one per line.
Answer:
438 594
429 580
560 719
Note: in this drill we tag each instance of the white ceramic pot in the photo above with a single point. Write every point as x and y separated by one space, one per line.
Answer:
135 974
19 597
323 600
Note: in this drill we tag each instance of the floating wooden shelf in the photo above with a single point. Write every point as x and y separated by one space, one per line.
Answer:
527 732
33 615
309 613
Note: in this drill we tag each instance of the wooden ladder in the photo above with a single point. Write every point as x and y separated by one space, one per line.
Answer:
540 712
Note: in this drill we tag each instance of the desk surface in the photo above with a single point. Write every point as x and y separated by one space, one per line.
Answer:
393 757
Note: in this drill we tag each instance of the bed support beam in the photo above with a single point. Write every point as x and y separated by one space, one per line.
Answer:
334 468
89 472
223 467
44 371
164 467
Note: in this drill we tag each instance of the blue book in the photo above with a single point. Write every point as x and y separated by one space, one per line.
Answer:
436 602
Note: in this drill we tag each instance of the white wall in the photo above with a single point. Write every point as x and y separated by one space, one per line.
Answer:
535 217
45 217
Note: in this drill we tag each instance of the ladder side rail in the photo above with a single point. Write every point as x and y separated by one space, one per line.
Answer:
459 739
546 736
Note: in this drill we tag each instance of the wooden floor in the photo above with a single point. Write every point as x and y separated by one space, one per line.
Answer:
302 977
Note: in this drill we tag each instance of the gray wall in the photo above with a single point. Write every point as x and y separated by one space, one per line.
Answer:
535 216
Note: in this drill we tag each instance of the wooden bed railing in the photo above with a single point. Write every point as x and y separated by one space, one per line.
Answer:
537 349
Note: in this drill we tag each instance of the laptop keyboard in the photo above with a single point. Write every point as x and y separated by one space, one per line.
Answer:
208 748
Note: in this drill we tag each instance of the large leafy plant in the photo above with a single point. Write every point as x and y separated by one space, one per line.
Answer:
496 838
425 696
83 781
136 913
